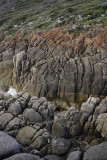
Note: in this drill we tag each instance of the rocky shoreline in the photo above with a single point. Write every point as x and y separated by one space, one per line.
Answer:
43 132
53 80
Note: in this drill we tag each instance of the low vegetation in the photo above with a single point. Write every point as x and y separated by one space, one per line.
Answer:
44 13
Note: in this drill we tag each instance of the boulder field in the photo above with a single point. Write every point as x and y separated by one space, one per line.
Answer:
31 129
63 67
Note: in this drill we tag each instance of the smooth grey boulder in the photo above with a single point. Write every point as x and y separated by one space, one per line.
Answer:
52 157
32 115
8 146
76 155
60 145
98 152
23 156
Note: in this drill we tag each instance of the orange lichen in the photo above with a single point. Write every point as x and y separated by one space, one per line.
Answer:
56 38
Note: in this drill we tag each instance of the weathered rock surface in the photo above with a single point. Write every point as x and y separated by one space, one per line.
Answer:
56 65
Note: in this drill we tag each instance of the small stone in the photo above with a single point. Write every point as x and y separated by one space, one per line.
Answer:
15 108
52 157
36 106
36 152
39 142
5 119
60 145
6 96
42 100
13 124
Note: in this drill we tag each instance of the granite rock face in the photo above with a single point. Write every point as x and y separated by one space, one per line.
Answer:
56 65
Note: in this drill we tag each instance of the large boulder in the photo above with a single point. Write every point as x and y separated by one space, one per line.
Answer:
59 131
98 152
32 115
25 135
8 146
23 156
